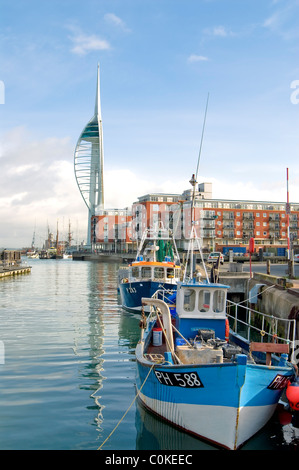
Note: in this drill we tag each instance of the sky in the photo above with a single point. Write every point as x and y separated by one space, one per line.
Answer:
159 62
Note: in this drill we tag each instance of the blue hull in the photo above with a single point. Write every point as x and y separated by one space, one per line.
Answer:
225 404
131 293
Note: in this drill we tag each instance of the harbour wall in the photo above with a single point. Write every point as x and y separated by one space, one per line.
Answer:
275 296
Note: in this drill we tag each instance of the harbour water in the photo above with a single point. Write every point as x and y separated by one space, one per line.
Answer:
67 378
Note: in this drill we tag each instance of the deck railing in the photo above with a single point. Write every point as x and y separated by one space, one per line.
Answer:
256 326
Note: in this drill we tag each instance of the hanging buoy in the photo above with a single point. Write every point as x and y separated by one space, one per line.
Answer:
292 393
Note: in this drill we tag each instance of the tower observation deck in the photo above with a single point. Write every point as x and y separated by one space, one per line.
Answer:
89 161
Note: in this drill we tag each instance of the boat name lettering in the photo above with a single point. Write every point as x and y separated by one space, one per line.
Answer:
279 382
179 379
131 290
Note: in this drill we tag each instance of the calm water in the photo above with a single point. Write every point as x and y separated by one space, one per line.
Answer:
69 372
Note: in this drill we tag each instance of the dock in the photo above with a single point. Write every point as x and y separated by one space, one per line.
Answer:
14 271
10 264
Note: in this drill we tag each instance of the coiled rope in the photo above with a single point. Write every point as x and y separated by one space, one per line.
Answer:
99 448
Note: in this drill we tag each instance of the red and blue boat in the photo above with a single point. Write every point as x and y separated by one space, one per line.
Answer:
156 267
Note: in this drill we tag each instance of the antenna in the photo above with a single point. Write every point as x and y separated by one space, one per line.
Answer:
193 183
203 129
193 180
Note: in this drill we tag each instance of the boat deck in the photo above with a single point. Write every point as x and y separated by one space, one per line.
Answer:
156 349
156 354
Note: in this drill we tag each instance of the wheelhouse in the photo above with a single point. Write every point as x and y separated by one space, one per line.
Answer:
201 306
143 271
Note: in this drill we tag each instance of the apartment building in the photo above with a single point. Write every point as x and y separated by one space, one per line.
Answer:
219 222
111 230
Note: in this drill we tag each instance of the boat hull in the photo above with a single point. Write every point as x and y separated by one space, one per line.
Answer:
225 404
131 293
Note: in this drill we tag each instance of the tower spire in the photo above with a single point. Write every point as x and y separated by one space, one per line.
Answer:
97 107
89 162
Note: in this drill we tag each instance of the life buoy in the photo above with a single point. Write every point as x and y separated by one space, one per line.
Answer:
292 394
226 329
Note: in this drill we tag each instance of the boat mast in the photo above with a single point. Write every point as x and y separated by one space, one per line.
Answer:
193 183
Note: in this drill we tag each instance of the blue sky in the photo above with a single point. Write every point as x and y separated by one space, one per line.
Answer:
159 59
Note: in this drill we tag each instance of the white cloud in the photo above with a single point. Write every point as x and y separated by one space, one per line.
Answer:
85 43
220 31
197 58
284 20
37 187
111 18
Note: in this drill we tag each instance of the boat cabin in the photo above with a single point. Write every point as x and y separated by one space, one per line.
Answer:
154 270
201 307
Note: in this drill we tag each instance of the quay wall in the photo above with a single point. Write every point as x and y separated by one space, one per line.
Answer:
276 296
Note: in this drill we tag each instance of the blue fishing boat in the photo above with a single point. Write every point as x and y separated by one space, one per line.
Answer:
200 376
207 371
156 267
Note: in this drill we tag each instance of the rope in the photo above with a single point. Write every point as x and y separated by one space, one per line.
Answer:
249 298
127 409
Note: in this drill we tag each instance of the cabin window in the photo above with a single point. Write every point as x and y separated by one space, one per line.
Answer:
170 273
204 300
146 272
159 273
219 301
189 300
135 272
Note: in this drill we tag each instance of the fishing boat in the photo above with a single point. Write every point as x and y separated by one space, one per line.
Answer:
198 374
32 254
156 267
207 371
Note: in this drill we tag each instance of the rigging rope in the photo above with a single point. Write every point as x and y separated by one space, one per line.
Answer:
99 448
